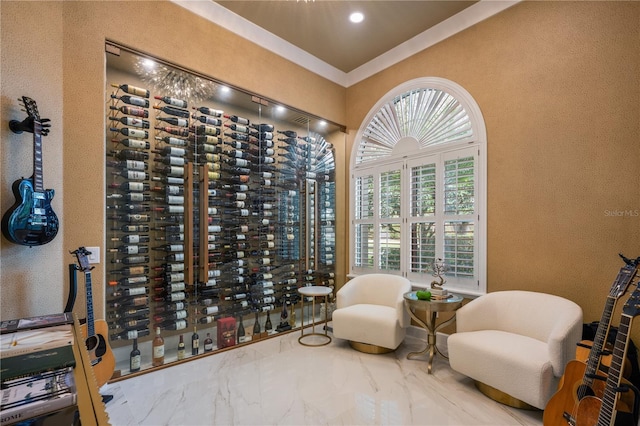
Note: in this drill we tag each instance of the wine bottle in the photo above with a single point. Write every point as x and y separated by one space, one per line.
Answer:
132 100
212 121
172 101
177 131
238 138
210 111
174 121
171 160
129 301
173 111
268 326
132 291
130 249
131 270
131 110
171 180
181 348
129 334
208 343
237 128
236 119
129 154
132 260
195 342
241 331
172 141
133 323
263 127
256 326
288 133
132 90
205 130
132 218
132 228
135 197
131 121
206 139
158 349
171 150
134 175
133 143
132 239
134 133
138 312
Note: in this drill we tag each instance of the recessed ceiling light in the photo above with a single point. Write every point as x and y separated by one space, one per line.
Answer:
356 17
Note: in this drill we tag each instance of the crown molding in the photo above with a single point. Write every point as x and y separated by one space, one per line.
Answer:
246 29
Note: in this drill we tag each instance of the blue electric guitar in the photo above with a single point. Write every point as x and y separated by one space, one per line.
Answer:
31 221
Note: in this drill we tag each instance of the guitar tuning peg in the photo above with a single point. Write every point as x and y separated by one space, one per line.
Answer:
44 120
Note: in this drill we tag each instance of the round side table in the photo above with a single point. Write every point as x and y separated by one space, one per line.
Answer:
431 307
313 292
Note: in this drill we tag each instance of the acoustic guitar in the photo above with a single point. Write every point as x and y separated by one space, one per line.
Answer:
94 331
31 221
582 379
602 411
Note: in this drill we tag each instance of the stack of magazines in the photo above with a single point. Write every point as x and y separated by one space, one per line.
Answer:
36 371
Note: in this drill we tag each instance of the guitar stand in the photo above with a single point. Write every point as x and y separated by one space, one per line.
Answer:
71 300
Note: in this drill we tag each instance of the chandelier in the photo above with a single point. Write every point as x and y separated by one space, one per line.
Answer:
177 83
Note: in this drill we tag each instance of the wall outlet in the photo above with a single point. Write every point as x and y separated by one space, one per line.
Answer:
94 257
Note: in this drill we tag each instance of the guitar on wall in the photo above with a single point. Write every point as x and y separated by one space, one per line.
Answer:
581 379
31 221
602 411
95 331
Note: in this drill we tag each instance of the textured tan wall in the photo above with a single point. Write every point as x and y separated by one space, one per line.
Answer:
557 83
31 279
56 50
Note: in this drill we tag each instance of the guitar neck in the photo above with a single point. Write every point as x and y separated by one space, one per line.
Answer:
37 157
607 411
599 340
90 322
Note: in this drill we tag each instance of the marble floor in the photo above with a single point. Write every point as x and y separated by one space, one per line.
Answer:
280 382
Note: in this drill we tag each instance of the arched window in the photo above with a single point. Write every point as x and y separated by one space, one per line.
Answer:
418 185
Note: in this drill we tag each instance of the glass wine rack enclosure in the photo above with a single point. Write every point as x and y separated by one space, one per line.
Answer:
219 206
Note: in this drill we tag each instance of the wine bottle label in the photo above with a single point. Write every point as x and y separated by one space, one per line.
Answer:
175 277
214 273
208 346
177 287
158 351
212 211
180 295
132 334
210 310
211 283
195 343
175 199
135 175
181 325
135 363
181 353
136 291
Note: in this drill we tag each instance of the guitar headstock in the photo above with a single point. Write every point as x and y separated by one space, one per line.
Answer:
625 276
33 123
83 258
632 307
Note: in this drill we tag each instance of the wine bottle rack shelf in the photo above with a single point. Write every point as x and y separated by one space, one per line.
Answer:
216 214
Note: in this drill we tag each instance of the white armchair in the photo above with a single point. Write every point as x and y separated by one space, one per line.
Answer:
515 344
370 312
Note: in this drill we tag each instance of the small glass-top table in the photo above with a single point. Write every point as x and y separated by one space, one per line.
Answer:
431 308
313 292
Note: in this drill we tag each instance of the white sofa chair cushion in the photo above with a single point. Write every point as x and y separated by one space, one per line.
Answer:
370 309
517 342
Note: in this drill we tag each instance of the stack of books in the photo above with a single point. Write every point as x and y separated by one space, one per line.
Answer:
36 370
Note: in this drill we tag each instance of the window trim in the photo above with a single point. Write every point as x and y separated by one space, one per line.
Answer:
478 140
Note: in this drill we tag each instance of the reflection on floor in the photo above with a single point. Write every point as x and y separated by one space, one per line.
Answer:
278 381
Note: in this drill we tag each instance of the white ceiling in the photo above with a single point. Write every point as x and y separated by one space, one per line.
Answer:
318 36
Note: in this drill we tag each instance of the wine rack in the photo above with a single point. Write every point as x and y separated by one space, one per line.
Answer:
214 211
